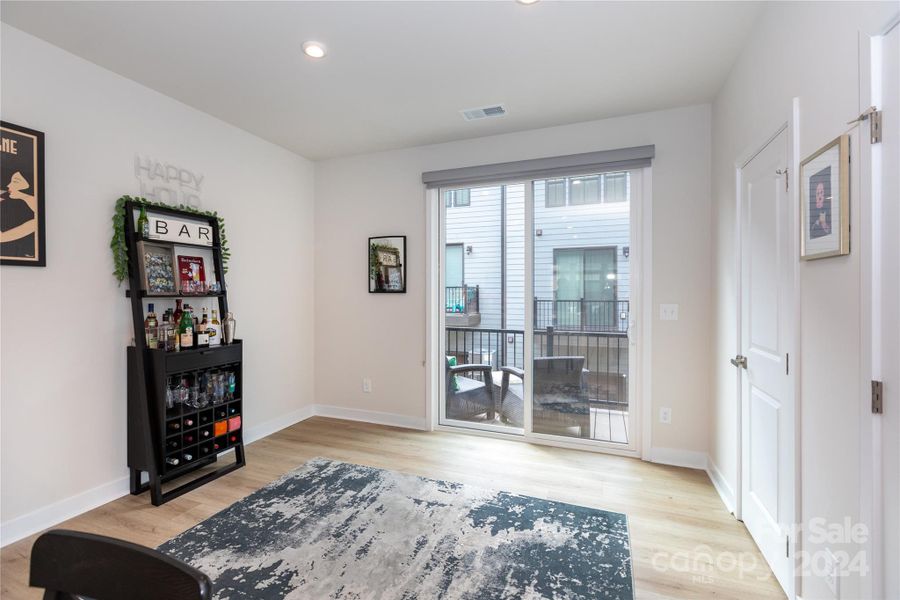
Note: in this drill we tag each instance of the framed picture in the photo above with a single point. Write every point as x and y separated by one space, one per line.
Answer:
387 264
157 269
825 201
22 219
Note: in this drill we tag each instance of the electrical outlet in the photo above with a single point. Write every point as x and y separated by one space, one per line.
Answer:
668 312
832 577
367 385
665 415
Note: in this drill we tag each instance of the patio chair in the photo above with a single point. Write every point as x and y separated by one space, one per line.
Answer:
468 398
560 395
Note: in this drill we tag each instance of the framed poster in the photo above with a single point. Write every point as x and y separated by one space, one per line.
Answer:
387 264
825 201
22 218
157 263
191 274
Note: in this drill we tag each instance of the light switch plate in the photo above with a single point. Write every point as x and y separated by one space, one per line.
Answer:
668 312
367 385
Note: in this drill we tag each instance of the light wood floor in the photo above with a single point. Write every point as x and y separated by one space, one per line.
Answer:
684 542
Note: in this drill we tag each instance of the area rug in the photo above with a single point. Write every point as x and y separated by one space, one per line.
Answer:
333 530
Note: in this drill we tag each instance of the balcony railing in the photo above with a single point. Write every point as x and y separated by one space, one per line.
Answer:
605 355
461 299
605 316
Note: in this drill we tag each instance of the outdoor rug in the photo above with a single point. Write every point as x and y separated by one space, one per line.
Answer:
333 530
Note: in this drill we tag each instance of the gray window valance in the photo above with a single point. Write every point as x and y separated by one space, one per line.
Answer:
556 166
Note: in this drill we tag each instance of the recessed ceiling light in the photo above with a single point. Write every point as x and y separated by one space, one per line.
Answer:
527 1
314 49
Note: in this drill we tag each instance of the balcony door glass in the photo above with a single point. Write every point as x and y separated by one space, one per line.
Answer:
580 368
483 275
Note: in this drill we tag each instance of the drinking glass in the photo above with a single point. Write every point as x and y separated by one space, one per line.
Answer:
219 394
195 396
183 392
171 394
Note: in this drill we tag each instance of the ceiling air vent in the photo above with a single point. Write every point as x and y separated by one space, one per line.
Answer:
473 114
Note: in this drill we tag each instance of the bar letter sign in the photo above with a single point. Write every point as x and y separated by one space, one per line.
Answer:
169 229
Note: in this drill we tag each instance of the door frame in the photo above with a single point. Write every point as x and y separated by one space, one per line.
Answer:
791 126
640 324
871 466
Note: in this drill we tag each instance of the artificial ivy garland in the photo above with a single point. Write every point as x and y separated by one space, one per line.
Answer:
120 250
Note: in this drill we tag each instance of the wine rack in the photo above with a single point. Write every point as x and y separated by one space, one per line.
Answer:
170 441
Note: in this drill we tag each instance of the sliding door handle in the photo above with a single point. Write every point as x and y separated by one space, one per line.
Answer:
739 361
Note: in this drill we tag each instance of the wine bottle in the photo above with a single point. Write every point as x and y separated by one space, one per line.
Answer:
188 457
175 426
204 450
232 439
176 316
205 433
186 330
188 422
143 224
172 461
188 439
151 328
173 445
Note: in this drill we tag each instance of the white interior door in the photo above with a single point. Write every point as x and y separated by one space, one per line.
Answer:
887 270
767 403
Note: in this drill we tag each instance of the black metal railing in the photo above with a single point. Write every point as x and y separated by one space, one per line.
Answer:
461 299
582 315
605 355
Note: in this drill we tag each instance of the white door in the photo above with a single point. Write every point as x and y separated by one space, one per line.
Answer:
887 356
767 403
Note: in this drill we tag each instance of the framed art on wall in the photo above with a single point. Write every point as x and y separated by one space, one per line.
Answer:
387 264
825 201
22 219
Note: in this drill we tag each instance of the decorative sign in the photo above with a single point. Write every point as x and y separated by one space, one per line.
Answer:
167 183
170 229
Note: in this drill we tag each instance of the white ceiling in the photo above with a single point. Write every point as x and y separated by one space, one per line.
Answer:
397 73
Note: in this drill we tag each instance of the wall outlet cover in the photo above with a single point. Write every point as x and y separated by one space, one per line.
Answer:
665 415
367 385
668 312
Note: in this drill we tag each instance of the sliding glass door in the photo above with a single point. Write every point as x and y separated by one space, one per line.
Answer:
536 283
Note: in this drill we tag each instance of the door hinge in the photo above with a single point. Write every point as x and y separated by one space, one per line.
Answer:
784 172
877 395
787 363
874 117
787 546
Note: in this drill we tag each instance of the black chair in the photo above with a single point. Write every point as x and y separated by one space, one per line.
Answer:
470 398
70 565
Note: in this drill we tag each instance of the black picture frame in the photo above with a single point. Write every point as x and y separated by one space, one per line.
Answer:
30 167
383 278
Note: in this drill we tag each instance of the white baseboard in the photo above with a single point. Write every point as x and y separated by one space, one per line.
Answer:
726 492
678 458
48 516
370 416
53 514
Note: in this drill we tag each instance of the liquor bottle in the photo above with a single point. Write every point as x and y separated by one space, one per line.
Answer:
186 330
171 340
151 328
143 225
176 316
215 330
172 461
201 335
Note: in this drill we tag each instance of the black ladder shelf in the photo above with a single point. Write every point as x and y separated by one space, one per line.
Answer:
151 437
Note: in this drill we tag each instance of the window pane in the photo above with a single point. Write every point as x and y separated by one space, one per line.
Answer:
556 193
584 190
454 270
616 187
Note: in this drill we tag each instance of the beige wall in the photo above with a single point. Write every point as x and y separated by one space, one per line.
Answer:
65 327
807 50
383 336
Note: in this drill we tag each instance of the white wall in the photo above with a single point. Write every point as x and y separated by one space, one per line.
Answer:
810 51
383 336
65 327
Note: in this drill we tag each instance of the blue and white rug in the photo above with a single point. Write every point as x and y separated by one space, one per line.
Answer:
332 530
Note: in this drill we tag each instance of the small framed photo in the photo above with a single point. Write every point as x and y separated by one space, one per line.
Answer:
387 264
157 269
825 201
22 217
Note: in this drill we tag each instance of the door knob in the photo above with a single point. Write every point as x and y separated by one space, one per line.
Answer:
739 361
